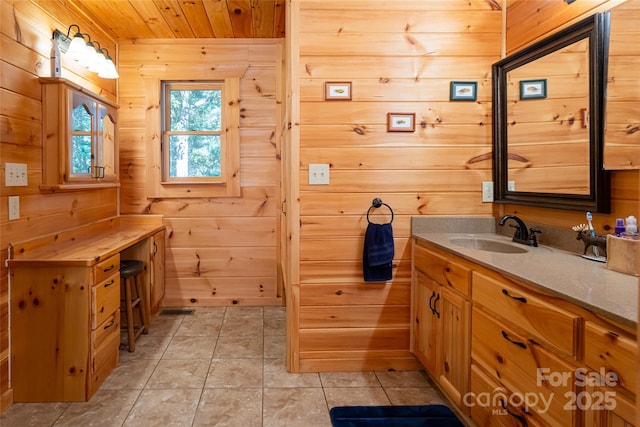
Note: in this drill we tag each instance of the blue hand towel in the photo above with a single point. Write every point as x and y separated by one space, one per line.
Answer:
378 253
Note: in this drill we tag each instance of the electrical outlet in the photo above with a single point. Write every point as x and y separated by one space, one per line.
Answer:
487 191
15 174
511 186
14 208
318 174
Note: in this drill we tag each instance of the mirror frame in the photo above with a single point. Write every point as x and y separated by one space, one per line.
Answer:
596 28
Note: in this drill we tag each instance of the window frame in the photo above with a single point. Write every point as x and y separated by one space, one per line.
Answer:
167 87
156 188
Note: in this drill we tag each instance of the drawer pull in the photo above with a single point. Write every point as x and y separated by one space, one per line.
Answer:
435 309
111 267
106 285
519 417
518 343
521 299
113 322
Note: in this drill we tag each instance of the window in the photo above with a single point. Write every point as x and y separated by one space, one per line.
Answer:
193 141
195 152
81 149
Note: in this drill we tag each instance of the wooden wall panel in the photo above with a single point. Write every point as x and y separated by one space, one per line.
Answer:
532 20
219 250
622 123
25 42
399 57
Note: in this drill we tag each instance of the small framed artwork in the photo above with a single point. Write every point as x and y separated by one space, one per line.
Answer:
464 91
337 91
532 89
401 122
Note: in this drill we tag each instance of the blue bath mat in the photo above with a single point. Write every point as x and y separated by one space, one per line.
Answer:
394 416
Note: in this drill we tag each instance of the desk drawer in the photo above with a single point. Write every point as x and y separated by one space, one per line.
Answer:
105 300
613 352
444 271
106 268
540 318
105 341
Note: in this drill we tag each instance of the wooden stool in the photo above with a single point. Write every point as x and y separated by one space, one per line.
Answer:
133 299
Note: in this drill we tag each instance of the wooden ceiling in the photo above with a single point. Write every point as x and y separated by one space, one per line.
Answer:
144 19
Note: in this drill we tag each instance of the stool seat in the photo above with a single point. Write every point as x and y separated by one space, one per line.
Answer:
132 297
130 268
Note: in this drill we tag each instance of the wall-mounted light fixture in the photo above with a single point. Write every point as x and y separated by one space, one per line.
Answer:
86 54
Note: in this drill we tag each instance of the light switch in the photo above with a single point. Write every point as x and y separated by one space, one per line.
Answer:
15 174
14 208
487 191
318 174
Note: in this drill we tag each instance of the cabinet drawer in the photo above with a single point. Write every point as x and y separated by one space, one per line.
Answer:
489 404
106 268
606 349
524 367
541 319
446 272
609 409
105 341
105 300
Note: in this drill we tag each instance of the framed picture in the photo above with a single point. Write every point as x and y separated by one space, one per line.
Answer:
531 89
337 91
464 91
401 122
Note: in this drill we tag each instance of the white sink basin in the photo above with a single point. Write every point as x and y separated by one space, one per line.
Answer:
489 245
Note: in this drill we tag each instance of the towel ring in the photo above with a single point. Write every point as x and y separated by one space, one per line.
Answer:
378 203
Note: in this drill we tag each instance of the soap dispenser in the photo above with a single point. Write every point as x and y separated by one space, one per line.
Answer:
631 228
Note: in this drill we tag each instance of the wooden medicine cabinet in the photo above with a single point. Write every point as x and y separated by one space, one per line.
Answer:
80 147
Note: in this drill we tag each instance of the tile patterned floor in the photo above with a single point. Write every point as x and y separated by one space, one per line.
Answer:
221 366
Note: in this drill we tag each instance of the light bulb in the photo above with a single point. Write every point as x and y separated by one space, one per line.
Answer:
77 47
98 62
109 71
89 55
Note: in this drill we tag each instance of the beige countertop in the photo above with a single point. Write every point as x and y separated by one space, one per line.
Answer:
567 275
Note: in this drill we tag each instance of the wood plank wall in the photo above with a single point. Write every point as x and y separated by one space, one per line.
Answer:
25 33
622 131
220 250
399 57
532 20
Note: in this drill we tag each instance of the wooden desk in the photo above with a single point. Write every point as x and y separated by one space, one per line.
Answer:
65 300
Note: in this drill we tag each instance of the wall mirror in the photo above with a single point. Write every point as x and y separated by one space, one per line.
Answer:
547 120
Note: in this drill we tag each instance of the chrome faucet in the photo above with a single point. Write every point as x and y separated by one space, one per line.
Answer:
521 235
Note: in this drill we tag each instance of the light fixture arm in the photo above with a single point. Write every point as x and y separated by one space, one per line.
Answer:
69 29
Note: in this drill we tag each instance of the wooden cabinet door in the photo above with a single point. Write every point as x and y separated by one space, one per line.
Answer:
611 352
157 271
424 321
106 149
453 344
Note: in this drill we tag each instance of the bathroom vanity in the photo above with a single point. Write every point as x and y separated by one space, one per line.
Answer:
518 335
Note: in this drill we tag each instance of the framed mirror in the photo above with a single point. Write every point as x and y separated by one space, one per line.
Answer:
547 121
